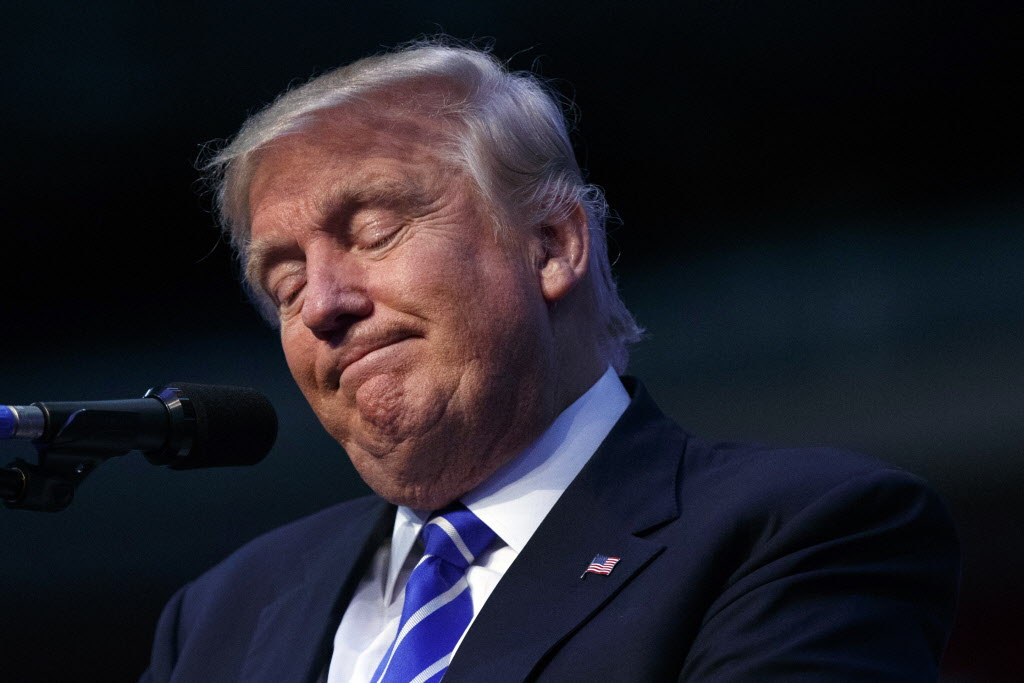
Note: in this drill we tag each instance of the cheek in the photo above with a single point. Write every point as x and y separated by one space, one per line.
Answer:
298 354
433 284
459 278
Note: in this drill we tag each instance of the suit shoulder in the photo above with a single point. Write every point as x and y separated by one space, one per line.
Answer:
755 477
762 509
271 557
736 456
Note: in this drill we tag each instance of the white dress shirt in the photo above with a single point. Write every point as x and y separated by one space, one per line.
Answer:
512 502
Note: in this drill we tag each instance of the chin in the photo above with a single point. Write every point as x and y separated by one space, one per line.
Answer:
424 490
420 500
395 408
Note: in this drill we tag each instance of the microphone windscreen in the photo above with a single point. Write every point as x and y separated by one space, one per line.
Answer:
234 426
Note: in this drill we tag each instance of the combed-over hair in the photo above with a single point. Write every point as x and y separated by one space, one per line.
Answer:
510 137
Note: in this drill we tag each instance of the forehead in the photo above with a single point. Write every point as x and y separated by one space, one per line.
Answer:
345 148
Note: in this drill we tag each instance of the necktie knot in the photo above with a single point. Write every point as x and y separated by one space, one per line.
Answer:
437 607
456 536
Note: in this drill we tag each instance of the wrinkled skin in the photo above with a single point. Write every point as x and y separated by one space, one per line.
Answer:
425 346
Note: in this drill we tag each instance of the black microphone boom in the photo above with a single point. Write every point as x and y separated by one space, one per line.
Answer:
179 425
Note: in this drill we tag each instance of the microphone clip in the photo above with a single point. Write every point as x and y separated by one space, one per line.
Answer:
50 485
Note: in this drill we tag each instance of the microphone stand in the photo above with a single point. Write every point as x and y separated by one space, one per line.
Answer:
64 463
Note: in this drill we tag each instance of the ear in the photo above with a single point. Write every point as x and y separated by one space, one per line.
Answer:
564 254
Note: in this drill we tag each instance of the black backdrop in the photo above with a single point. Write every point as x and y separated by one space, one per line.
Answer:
820 210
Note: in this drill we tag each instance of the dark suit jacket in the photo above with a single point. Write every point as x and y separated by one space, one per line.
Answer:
739 563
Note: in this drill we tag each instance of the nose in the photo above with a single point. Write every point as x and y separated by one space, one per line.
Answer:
335 296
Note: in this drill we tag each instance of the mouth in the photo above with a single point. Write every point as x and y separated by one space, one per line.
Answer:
368 354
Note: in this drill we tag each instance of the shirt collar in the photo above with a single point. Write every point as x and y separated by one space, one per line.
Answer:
518 496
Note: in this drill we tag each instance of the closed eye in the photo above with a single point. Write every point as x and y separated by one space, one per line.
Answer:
288 298
383 241
286 289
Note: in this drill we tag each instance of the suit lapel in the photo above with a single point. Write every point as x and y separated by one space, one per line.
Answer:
294 636
627 488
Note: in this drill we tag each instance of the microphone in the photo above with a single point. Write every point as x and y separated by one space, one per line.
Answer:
179 425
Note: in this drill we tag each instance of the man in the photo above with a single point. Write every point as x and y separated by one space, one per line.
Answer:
419 229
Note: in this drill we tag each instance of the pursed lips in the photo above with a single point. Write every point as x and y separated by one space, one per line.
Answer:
354 352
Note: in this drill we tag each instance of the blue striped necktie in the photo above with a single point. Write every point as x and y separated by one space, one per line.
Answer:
437 608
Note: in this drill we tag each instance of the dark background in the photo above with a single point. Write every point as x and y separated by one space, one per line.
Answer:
821 216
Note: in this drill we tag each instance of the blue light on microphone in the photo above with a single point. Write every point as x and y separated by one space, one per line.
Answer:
8 422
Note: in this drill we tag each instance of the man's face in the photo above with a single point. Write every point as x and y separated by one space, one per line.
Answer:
420 342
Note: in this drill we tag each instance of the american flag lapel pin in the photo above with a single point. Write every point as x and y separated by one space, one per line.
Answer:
601 564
